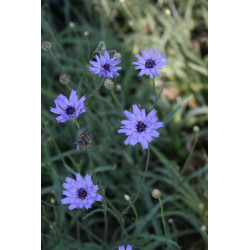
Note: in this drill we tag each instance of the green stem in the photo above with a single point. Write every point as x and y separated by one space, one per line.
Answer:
163 222
154 92
76 123
92 166
96 88
142 182
191 153
114 96
158 97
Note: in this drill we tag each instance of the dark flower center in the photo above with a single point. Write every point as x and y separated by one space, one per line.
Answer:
70 110
81 193
149 63
106 66
140 127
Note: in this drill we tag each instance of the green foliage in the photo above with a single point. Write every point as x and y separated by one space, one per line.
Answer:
127 27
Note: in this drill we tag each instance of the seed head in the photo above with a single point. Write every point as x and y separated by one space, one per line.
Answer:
86 33
203 228
131 23
156 193
64 79
118 87
168 12
83 141
52 201
126 197
170 220
117 55
108 84
46 46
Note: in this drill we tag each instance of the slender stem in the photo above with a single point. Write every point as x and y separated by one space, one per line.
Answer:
96 88
191 153
76 123
154 92
92 166
114 96
158 97
163 222
142 182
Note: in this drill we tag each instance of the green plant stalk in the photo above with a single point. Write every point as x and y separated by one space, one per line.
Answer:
96 88
114 96
163 223
92 166
191 153
154 92
158 97
142 182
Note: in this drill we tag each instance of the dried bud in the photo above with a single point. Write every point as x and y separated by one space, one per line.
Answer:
196 129
118 87
72 25
83 141
108 84
46 46
131 23
86 33
117 55
156 193
122 1
64 79
52 201
203 228
170 220
168 12
126 197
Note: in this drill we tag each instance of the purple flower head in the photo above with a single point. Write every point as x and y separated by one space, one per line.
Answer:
68 109
80 193
123 248
149 63
139 127
104 66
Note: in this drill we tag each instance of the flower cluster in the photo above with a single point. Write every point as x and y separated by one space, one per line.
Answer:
139 127
80 192
68 109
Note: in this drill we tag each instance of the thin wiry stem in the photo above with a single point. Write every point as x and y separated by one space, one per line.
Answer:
92 166
114 96
142 182
163 222
96 88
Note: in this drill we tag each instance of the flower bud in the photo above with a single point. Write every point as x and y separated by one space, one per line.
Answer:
46 46
126 197
156 193
86 33
170 220
108 84
72 25
203 228
64 79
117 55
52 201
168 12
196 129
118 87
83 141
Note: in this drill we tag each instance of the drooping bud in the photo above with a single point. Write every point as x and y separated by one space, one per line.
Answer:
117 55
126 197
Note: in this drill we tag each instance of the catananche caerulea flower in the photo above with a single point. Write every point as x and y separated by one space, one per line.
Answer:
80 192
139 127
149 63
104 66
68 109
129 247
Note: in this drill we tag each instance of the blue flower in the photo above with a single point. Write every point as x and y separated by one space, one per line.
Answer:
80 193
149 63
122 247
68 109
104 66
139 127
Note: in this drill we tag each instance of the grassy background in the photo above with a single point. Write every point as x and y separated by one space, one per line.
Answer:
127 27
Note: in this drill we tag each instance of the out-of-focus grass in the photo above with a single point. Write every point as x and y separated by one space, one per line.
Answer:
178 29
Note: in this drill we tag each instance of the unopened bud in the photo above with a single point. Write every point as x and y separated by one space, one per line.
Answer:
118 87
108 84
203 228
64 79
170 220
46 46
86 33
122 1
168 12
72 25
126 197
84 140
117 55
52 201
50 226
196 129
156 193
131 23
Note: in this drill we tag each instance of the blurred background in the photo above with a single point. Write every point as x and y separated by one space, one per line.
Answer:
178 161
